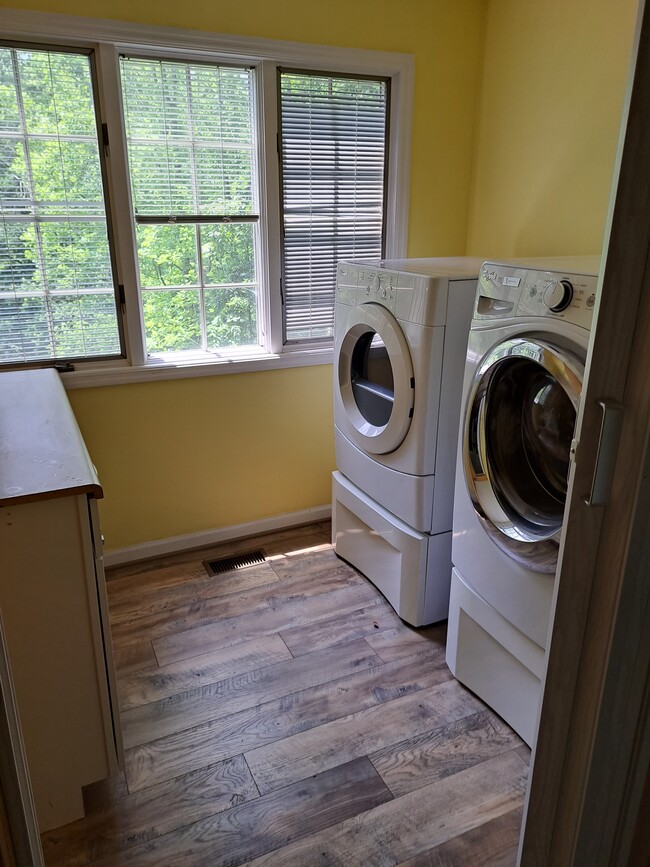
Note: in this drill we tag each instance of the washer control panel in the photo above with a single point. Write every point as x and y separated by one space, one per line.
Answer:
509 291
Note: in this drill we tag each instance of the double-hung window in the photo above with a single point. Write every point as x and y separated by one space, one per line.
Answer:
162 208
191 137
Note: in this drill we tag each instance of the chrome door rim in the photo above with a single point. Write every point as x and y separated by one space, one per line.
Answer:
505 526
377 439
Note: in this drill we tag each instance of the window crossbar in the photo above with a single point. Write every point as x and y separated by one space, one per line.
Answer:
164 219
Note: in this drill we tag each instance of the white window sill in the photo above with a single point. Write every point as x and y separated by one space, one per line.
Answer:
188 365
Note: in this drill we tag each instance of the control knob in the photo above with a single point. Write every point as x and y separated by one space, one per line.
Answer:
558 295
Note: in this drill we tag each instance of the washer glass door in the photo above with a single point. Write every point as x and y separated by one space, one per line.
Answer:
519 427
375 379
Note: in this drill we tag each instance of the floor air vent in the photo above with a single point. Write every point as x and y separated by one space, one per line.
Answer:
239 561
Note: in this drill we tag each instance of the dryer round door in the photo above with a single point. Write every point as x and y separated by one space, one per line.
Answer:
375 379
519 426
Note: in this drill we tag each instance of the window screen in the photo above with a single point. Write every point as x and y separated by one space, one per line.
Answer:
57 294
333 159
192 160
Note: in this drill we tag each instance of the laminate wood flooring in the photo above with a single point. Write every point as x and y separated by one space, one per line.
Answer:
282 714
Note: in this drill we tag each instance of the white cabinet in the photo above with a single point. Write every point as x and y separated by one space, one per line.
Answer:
53 596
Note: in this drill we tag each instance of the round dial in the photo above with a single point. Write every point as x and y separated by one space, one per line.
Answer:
558 295
373 282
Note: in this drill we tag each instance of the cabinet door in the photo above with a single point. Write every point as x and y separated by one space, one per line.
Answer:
49 604
19 838
104 645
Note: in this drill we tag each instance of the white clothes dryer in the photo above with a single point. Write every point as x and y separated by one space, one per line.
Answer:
522 385
399 349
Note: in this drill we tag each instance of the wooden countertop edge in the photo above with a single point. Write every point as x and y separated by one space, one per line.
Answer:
42 452
95 491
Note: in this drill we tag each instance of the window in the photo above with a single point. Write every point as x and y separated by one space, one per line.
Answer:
57 294
333 165
205 221
192 155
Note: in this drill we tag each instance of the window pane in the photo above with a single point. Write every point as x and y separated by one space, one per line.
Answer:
9 113
57 326
56 92
333 163
24 329
167 255
172 320
14 182
231 317
75 319
56 283
228 253
230 90
67 177
19 261
161 179
75 256
224 181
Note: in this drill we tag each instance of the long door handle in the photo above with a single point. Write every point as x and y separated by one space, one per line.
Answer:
610 431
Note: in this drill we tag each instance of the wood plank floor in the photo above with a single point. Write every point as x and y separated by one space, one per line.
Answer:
283 714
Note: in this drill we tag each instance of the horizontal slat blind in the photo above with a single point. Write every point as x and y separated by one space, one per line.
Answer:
333 169
190 137
57 295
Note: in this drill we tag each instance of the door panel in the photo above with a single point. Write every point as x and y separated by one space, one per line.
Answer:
517 442
375 379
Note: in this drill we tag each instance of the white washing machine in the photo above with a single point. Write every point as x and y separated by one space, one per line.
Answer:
523 379
399 352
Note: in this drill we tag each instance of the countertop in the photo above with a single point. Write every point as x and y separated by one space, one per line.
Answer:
42 452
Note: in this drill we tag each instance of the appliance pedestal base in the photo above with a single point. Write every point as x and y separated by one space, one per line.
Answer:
493 659
410 568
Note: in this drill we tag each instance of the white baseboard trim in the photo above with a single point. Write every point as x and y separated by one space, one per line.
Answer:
174 544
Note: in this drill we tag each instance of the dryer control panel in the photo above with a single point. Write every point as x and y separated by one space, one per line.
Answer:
510 291
411 297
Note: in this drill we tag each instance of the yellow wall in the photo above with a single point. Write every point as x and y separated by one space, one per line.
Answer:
189 455
553 85
186 455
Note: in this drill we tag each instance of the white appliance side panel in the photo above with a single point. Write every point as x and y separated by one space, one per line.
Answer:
388 552
490 657
421 300
436 594
462 294
408 497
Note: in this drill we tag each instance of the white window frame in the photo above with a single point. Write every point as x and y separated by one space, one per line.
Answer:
110 38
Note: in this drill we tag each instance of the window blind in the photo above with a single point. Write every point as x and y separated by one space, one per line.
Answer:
190 136
57 294
333 161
